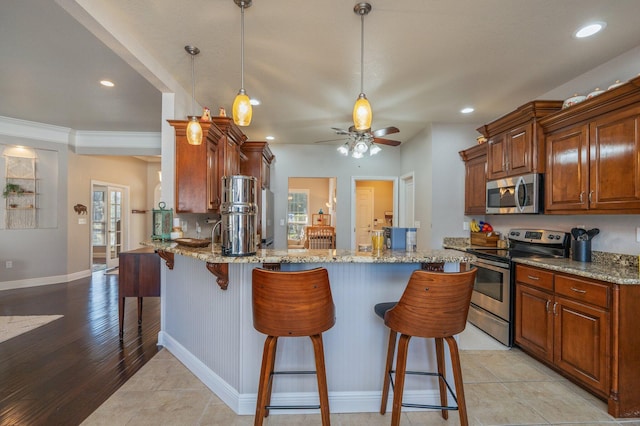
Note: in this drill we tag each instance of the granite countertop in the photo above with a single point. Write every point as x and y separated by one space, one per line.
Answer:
610 267
314 256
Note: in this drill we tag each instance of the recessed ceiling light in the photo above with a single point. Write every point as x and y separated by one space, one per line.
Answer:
107 83
467 110
254 102
269 138
590 29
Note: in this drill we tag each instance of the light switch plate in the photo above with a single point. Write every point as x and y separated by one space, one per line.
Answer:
82 221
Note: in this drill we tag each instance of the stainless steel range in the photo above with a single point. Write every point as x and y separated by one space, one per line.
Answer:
492 302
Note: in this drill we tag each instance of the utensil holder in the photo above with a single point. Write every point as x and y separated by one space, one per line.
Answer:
581 250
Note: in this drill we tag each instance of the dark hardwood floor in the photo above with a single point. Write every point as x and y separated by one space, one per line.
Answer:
58 374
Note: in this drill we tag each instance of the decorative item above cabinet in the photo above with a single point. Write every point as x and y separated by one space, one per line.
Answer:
515 142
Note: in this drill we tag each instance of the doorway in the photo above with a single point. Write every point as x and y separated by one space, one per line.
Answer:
375 205
309 198
108 224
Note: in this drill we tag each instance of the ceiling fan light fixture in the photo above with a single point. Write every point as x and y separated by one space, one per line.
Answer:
374 149
356 154
194 129
360 147
344 149
242 109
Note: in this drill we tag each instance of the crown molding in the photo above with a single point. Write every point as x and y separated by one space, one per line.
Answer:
33 130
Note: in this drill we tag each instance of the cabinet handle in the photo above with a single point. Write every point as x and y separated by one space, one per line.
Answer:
581 195
590 194
531 277
577 290
554 308
546 307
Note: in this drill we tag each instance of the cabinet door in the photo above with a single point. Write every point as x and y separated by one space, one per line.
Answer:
191 177
534 321
519 150
581 343
567 177
213 186
615 161
496 158
475 201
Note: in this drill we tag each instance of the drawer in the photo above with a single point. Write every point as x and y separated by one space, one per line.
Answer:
592 292
535 277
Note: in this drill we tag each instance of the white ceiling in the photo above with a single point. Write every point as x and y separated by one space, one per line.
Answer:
424 59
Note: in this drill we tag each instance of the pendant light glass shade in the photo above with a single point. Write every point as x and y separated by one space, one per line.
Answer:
242 109
362 114
194 129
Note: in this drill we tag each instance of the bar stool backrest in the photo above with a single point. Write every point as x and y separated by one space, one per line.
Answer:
434 304
292 303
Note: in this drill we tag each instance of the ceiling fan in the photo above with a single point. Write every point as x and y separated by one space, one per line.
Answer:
357 142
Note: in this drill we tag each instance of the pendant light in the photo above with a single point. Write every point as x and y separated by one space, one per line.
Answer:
194 129
362 114
242 110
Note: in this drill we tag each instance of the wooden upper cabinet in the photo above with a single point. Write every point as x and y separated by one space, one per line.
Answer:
199 168
567 177
195 170
593 154
475 164
258 162
516 144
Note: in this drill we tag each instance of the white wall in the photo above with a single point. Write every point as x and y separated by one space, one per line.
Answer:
323 161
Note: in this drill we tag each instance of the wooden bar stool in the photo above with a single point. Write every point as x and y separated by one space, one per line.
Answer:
433 305
291 304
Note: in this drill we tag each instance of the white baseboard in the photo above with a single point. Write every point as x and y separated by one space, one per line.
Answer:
34 282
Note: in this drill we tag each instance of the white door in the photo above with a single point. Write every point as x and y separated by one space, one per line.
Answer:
364 215
115 224
407 203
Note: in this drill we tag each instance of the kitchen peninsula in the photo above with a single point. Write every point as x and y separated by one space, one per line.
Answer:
210 330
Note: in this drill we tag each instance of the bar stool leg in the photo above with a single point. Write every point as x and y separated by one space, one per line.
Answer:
442 372
387 371
457 377
264 385
401 368
321 375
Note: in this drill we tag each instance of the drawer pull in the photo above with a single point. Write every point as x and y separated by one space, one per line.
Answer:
546 307
531 277
577 290
554 308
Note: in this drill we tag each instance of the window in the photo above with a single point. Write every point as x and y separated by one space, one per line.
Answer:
297 213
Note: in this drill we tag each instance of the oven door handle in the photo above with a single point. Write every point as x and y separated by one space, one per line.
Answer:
489 264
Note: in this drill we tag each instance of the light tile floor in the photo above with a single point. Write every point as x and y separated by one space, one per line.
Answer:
503 387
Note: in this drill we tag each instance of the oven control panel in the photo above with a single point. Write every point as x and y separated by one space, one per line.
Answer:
538 236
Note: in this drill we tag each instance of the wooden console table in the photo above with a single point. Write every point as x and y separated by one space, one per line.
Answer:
139 276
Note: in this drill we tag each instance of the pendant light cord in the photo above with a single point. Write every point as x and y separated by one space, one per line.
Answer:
193 85
362 53
242 46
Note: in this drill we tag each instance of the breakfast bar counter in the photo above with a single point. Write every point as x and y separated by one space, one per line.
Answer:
209 327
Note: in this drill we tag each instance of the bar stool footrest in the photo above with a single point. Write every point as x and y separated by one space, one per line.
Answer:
435 407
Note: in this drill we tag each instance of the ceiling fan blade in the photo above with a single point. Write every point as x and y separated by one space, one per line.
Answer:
390 142
385 131
340 131
332 140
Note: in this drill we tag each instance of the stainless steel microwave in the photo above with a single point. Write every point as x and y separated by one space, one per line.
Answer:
516 195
